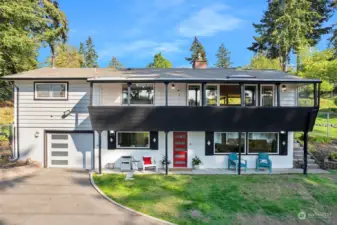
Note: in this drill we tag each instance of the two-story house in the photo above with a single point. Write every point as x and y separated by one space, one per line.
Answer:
88 118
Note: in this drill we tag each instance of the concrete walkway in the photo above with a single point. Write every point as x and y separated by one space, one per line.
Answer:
59 196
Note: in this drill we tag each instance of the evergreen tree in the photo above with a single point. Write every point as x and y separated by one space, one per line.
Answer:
82 53
90 54
289 25
67 57
159 61
114 63
196 50
26 25
223 56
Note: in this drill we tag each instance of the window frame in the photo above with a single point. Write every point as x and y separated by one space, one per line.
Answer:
65 98
187 95
133 148
153 100
219 94
261 94
227 153
256 94
270 153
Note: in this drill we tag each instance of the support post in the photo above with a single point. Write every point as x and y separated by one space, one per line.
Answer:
258 94
129 93
315 95
319 95
278 95
203 94
100 152
166 93
166 152
243 97
305 153
91 93
239 169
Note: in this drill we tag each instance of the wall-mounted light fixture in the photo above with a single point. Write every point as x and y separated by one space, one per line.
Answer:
284 88
154 140
173 87
37 134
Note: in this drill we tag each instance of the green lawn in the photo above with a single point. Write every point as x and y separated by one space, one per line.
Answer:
226 199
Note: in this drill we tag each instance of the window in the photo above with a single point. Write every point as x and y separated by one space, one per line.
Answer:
230 95
133 139
141 94
263 142
228 142
250 95
267 96
212 94
51 91
194 95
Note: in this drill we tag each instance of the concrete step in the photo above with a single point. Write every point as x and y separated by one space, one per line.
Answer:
301 160
297 145
298 149
313 166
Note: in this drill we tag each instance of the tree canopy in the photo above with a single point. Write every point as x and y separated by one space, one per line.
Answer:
223 56
67 57
196 49
114 63
159 61
260 61
90 54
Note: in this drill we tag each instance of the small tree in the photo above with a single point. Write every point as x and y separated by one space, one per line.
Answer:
67 57
159 61
223 56
114 63
82 52
196 49
90 54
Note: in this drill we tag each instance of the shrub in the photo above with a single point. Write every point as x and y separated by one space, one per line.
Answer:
335 101
332 156
196 161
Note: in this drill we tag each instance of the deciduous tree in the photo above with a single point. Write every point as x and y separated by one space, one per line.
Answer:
67 57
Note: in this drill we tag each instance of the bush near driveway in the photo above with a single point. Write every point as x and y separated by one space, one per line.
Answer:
226 199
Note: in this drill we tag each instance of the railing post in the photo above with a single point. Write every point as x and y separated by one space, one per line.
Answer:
243 97
203 94
319 95
129 93
278 95
305 153
258 94
99 152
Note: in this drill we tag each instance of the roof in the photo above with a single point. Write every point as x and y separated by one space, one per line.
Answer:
158 75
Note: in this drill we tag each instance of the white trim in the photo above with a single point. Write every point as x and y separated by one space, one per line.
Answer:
119 147
50 91
124 207
267 85
200 93
270 153
222 153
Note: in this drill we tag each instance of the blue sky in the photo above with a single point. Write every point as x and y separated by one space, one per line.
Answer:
134 30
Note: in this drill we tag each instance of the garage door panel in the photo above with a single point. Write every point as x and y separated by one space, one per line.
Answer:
72 150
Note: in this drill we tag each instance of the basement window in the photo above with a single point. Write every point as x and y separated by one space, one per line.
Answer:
51 91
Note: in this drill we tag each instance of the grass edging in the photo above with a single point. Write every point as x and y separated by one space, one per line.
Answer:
122 206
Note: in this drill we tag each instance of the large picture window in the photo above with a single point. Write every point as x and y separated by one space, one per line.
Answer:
267 96
133 139
263 142
228 142
57 91
230 95
212 94
141 94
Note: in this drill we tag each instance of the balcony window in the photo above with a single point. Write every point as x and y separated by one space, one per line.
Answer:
228 142
230 95
263 142
133 139
212 94
141 94
194 95
267 95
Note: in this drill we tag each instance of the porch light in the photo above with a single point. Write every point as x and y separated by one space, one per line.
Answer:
284 88
154 140
173 87
282 132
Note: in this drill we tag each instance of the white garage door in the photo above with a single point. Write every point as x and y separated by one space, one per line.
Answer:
73 150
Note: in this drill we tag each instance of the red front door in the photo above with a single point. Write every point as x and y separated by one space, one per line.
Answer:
179 149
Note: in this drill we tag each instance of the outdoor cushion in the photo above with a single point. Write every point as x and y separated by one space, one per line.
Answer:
264 161
147 160
243 162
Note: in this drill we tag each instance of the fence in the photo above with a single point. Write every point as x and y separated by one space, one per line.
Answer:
326 125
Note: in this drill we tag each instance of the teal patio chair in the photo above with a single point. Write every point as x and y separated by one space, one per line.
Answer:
263 161
233 160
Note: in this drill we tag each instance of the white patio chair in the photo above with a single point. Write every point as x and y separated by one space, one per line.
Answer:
149 162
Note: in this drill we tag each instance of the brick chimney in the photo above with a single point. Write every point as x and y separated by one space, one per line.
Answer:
200 63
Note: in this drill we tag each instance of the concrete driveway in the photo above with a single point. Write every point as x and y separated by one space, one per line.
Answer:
59 196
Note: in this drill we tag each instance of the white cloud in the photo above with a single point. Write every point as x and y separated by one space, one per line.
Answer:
209 21
141 48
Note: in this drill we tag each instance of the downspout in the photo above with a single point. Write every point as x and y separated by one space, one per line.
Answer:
16 138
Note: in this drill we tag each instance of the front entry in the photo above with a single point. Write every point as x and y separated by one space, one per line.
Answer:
179 149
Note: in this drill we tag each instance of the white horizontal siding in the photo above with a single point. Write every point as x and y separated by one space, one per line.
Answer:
288 97
48 113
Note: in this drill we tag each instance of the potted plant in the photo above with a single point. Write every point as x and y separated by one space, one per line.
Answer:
163 162
196 162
